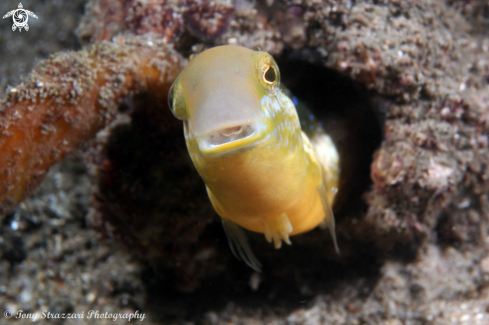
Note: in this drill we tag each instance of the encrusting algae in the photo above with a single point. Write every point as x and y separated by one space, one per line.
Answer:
244 137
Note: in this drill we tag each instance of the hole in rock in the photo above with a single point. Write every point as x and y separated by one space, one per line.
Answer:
154 200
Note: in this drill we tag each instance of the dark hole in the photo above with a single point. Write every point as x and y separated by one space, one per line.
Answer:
11 244
154 199
347 113
185 42
448 230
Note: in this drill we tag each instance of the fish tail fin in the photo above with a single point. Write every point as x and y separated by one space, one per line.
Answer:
238 242
278 229
328 221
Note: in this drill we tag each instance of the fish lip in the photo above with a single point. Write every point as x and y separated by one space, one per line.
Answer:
231 138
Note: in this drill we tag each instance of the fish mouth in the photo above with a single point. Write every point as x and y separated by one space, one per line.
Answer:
230 138
234 133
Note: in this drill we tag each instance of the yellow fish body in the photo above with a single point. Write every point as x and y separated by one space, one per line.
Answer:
244 137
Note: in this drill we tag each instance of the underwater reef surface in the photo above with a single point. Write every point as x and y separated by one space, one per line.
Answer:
124 222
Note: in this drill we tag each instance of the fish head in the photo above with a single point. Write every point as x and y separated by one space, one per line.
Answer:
219 94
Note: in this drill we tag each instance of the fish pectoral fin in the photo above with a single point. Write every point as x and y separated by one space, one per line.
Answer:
328 221
278 229
238 242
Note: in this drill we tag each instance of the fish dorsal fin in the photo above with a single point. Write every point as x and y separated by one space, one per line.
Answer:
238 242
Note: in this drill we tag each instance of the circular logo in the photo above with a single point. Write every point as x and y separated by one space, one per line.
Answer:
20 18
8 314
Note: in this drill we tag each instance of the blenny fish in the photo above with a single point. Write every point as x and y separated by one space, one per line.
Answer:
243 134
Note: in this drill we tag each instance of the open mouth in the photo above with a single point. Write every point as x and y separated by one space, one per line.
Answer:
230 134
230 138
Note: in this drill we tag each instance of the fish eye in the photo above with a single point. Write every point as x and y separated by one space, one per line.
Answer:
176 103
270 75
170 98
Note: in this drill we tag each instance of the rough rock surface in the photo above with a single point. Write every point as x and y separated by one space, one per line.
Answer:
404 87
